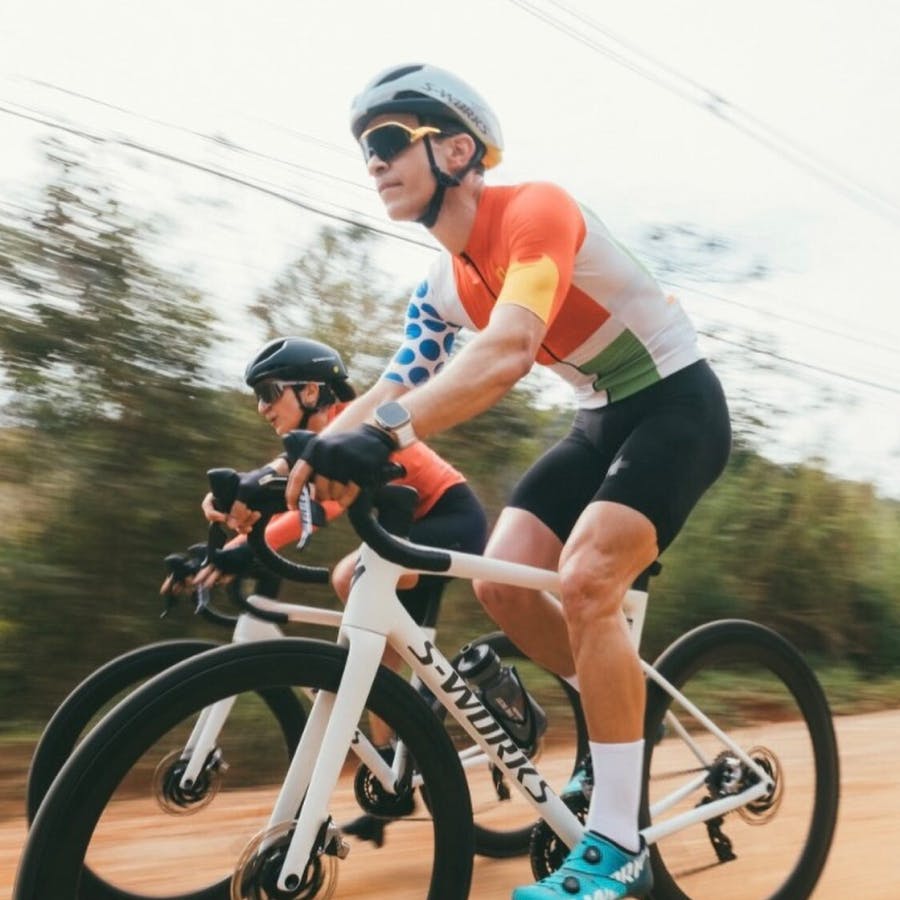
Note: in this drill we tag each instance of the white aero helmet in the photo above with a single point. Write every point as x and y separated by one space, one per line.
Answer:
429 91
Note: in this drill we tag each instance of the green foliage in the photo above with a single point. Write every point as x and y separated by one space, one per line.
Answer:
109 422
794 548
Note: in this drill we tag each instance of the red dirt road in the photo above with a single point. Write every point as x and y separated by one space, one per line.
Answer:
864 861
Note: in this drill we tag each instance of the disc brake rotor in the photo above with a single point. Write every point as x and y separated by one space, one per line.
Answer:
258 868
176 799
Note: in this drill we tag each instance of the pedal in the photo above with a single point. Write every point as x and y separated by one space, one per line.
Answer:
335 845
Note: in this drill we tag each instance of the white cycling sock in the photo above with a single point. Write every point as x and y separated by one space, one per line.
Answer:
617 792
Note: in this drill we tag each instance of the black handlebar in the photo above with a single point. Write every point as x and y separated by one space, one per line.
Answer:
268 499
386 544
395 505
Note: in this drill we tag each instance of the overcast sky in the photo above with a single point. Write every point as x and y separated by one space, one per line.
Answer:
773 125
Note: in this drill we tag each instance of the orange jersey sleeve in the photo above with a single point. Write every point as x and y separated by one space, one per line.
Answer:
430 474
542 231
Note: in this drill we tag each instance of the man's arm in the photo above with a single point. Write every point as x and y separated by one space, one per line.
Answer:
480 374
362 408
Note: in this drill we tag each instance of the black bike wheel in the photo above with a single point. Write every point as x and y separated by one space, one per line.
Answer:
112 681
90 812
503 818
758 689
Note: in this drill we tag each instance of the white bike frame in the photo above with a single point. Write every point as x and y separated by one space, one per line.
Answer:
373 618
203 741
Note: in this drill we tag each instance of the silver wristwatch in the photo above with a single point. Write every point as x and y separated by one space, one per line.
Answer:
393 417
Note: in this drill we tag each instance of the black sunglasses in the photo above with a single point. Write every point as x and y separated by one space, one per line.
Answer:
269 391
390 139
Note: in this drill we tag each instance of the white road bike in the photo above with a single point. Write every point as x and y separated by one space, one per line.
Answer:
741 768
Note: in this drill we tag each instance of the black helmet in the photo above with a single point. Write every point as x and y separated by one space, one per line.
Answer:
300 360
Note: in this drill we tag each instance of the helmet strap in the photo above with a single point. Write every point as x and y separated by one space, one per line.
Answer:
326 398
444 180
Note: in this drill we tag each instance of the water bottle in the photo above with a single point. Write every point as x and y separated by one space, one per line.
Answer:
502 691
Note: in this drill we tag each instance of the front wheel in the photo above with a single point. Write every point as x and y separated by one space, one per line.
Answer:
757 689
96 810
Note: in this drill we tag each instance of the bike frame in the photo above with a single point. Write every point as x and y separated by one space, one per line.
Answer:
203 740
374 618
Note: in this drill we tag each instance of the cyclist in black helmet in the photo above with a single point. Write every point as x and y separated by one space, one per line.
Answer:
303 384
541 280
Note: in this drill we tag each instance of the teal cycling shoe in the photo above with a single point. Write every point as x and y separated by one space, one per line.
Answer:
597 869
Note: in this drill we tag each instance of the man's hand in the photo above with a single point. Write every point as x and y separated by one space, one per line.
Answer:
209 510
340 464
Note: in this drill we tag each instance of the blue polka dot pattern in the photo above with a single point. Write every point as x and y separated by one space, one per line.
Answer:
428 339
430 350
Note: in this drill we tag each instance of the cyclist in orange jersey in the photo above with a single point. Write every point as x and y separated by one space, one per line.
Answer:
540 279
302 384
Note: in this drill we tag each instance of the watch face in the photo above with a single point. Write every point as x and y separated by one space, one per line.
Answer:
392 415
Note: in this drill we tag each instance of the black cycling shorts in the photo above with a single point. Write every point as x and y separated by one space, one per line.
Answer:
656 451
456 522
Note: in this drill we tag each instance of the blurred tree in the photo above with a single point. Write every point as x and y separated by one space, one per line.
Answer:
110 417
794 548
111 423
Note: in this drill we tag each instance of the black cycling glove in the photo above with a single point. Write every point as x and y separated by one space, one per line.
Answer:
294 443
236 560
359 456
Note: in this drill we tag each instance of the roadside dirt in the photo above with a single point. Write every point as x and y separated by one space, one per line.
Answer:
864 860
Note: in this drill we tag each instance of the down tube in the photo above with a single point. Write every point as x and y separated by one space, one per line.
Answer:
449 687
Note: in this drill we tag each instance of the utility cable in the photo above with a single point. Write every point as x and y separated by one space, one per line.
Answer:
716 104
349 220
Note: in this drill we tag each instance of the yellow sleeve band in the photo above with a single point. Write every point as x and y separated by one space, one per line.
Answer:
531 284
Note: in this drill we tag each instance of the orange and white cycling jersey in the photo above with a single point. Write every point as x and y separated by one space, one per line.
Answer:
610 329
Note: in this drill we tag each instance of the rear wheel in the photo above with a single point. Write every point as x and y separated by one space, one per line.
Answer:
111 682
93 812
758 689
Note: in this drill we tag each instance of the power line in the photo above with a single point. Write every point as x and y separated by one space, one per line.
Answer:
209 170
804 365
355 222
811 326
719 106
228 144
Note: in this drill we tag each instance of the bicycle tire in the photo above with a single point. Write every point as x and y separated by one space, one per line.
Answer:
114 679
503 828
780 843
58 840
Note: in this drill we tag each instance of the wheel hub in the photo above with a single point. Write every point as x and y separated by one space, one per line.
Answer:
259 868
176 798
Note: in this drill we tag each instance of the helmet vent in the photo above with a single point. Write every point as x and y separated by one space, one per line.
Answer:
399 73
